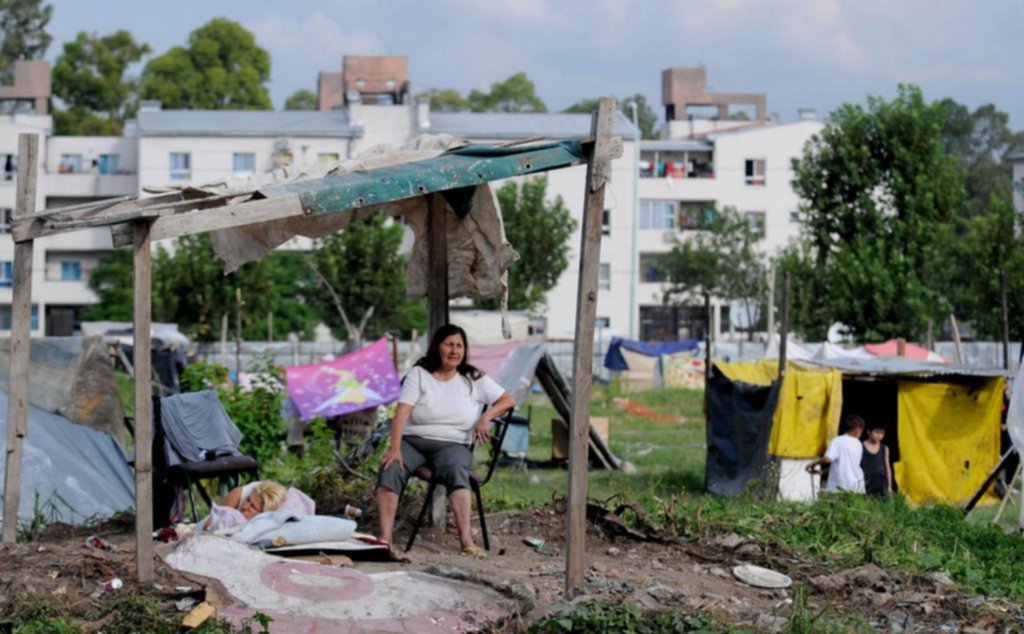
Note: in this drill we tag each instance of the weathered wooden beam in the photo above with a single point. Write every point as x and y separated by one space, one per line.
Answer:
21 333
42 224
437 303
142 323
598 166
202 220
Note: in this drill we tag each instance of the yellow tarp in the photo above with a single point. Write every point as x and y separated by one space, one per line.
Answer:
949 439
810 404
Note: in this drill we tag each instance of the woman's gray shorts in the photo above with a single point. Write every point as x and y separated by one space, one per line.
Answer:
450 462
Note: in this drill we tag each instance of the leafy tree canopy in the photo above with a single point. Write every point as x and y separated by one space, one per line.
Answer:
301 100
878 193
540 232
646 116
22 32
444 100
89 77
515 94
221 68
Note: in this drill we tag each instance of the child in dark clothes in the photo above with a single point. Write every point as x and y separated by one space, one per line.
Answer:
874 463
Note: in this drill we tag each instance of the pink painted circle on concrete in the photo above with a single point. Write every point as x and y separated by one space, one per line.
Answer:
278 576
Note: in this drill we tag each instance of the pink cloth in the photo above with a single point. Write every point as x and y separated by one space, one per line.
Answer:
890 349
298 502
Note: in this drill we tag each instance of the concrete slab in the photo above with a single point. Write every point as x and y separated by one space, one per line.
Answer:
308 597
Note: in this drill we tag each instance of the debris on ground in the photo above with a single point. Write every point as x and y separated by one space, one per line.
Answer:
641 410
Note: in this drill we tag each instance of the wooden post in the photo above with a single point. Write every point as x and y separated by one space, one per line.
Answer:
784 325
143 405
1006 319
707 350
930 341
238 334
598 165
437 302
771 302
224 339
270 327
901 347
21 334
956 339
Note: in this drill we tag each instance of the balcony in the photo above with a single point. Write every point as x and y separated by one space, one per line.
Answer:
91 184
680 159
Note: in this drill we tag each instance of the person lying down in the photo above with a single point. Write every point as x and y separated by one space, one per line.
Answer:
246 502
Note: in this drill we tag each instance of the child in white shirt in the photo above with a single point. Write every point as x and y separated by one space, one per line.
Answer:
843 459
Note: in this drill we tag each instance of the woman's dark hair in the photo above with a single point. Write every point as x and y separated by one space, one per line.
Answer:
431 362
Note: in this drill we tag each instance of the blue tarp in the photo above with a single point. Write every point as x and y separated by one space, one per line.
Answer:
615 361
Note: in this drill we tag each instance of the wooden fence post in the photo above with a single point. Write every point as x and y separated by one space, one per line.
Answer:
143 404
598 167
21 335
437 302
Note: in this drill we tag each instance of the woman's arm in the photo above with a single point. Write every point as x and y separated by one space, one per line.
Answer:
481 432
394 452
234 498
888 468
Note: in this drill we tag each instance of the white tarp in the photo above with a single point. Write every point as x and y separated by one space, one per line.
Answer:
70 472
832 351
794 351
1015 425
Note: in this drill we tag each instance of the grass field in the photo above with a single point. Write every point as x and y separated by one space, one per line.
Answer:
669 457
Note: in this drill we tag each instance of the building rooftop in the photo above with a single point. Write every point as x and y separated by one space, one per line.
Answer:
233 123
501 125
681 145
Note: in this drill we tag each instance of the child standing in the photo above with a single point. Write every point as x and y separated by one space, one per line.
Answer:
875 463
843 457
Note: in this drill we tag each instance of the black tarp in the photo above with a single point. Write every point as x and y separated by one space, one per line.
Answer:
739 426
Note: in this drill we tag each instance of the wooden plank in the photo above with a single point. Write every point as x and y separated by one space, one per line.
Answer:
194 221
1006 321
21 333
583 355
437 303
38 225
143 404
784 326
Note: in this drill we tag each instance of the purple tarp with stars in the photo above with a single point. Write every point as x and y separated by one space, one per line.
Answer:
361 380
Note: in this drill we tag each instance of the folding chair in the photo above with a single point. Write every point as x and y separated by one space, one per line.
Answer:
426 474
187 473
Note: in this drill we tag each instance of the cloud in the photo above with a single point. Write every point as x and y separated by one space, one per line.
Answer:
316 38
532 12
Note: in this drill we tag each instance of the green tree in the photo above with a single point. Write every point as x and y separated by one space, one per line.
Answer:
301 100
878 196
89 77
723 260
360 274
515 94
540 232
444 100
22 33
111 281
221 68
646 117
983 142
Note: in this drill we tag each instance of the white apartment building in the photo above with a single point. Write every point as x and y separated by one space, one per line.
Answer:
699 162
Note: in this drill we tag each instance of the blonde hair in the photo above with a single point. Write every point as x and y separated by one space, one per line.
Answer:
272 494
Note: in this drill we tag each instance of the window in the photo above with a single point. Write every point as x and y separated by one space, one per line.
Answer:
794 216
9 164
70 271
606 222
651 269
5 219
328 157
696 215
6 274
754 170
657 214
5 317
604 277
70 164
110 163
756 221
603 322
181 166
244 164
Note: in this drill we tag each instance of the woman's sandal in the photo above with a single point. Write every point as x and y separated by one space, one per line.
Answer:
474 551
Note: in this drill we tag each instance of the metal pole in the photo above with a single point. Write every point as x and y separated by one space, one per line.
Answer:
633 272
784 326
1006 319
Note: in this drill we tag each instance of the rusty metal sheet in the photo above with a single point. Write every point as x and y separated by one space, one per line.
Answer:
466 167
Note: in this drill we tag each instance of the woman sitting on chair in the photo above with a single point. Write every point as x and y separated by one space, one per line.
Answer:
436 423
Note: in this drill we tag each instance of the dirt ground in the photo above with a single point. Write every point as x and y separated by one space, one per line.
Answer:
683 576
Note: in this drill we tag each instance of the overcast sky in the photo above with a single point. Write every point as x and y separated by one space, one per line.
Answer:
802 53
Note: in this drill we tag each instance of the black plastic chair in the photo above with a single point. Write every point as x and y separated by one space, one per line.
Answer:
426 474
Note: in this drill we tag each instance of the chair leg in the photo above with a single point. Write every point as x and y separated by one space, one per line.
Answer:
483 521
192 501
422 516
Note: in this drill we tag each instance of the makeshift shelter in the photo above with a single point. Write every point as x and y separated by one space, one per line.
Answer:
638 363
942 423
441 193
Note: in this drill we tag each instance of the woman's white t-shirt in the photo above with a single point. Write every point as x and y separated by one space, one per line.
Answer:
446 410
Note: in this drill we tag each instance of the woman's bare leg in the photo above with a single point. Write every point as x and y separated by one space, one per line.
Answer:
461 508
387 507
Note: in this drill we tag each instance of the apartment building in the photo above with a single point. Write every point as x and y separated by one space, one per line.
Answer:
700 161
